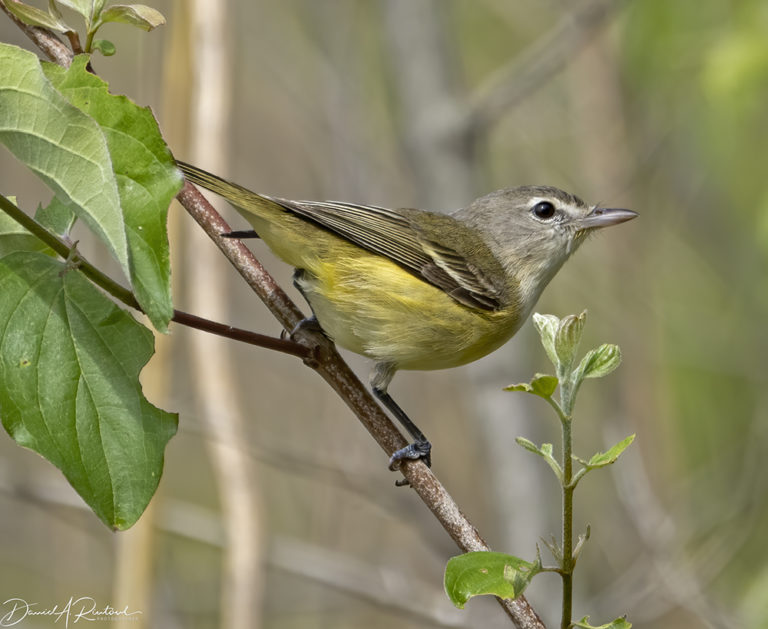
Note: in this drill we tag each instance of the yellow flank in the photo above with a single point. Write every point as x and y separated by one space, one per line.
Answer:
368 304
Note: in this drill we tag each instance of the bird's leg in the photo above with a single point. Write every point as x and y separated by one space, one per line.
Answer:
308 323
420 448
311 322
248 233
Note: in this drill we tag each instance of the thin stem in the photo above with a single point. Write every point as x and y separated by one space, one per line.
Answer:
567 397
124 295
564 411
567 560
557 408
74 42
89 40
555 569
578 476
244 336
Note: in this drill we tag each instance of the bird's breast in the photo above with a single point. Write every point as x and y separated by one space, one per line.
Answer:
371 306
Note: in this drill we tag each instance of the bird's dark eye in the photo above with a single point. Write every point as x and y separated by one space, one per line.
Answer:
543 210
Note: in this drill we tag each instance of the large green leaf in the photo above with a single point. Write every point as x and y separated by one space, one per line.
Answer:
69 387
147 180
65 147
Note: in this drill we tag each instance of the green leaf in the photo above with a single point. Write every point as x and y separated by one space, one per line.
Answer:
478 573
598 363
528 445
139 15
62 145
601 459
619 623
104 46
521 386
542 385
568 337
545 451
36 17
547 326
147 180
69 385
57 217
83 7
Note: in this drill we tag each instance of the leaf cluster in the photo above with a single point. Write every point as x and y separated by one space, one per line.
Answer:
95 14
69 356
504 575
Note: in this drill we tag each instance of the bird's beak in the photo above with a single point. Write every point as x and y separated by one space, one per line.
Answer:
604 217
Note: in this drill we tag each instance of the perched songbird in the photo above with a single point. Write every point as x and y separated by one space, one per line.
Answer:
413 289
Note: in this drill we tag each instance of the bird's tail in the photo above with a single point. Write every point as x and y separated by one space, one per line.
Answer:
240 197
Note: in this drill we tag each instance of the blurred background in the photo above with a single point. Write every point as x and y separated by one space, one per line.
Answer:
276 509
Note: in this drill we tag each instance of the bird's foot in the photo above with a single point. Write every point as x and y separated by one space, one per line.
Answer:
310 324
412 452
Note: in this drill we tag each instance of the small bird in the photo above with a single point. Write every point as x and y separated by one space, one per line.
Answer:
413 289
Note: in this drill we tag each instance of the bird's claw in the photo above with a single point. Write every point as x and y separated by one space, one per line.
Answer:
412 452
310 324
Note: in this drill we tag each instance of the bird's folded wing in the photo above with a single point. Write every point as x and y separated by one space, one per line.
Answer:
435 248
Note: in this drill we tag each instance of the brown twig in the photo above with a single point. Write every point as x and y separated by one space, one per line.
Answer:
238 334
74 42
45 40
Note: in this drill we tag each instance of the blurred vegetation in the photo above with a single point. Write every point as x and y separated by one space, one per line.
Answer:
661 110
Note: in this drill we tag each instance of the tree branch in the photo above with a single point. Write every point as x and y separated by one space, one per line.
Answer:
45 40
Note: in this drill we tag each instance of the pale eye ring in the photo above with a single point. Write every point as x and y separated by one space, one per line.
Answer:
543 210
